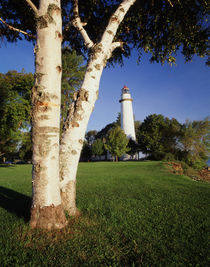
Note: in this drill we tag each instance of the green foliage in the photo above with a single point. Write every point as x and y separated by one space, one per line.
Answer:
15 108
103 133
20 16
133 214
116 142
25 150
136 126
169 157
15 103
133 147
195 143
73 71
189 171
86 152
162 138
118 120
90 137
154 27
158 135
98 147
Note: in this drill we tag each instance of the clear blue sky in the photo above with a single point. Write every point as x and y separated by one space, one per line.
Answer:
181 91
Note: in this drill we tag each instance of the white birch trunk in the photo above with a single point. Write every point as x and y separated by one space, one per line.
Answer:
81 109
74 132
47 211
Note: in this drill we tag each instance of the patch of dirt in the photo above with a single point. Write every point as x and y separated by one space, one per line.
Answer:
176 168
205 174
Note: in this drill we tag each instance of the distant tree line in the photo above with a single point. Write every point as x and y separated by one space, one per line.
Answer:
158 138
161 138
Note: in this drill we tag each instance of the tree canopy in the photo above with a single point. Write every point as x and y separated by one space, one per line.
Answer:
90 136
98 147
73 71
162 138
15 108
158 135
158 27
116 142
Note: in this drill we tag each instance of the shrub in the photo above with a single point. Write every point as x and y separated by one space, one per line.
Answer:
199 165
185 166
168 157
191 172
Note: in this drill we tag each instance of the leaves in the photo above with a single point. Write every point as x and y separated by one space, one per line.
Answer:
15 108
158 135
73 71
98 147
116 142
154 27
195 141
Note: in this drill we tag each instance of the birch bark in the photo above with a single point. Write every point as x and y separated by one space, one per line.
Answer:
47 211
81 109
74 131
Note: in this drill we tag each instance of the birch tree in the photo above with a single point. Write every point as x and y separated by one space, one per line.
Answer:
104 31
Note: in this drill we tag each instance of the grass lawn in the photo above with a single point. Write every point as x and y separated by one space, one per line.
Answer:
133 214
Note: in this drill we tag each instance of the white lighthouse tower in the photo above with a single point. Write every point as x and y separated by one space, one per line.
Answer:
127 119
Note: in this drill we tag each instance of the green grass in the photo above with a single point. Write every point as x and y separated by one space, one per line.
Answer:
133 214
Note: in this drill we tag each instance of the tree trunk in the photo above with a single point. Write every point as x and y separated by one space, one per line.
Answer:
74 132
47 211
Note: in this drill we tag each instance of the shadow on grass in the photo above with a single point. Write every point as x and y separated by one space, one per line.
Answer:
15 202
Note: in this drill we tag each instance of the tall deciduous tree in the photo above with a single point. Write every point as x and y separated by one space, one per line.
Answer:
25 149
98 147
103 133
133 148
195 142
159 135
100 30
86 152
90 137
116 143
15 108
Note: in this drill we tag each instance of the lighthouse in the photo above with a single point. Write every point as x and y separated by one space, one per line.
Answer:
127 118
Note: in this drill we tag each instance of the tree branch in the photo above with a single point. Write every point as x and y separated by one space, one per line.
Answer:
115 21
170 3
16 29
31 4
80 25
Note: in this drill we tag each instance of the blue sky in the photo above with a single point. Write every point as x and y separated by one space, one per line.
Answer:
181 91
